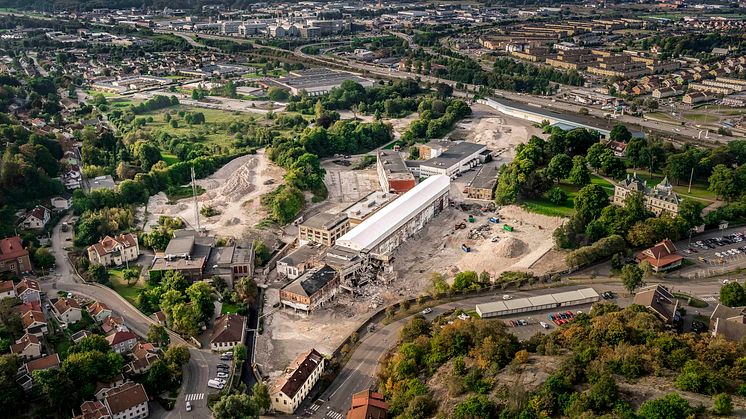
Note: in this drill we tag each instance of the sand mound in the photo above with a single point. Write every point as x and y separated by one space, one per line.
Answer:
510 247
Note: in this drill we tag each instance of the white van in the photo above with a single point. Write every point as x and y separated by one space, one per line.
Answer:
215 384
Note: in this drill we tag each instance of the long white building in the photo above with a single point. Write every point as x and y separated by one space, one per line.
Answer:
384 231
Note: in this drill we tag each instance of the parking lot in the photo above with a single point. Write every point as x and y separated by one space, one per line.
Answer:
716 254
533 320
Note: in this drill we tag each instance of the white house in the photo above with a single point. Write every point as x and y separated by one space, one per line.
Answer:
122 342
128 401
7 289
288 393
229 331
37 218
67 310
61 202
27 347
114 250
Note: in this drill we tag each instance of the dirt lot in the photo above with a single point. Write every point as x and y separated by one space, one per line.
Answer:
234 190
437 248
501 133
346 185
434 249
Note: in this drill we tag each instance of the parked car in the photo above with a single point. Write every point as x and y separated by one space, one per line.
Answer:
427 310
223 366
507 297
221 374
188 406
215 384
544 325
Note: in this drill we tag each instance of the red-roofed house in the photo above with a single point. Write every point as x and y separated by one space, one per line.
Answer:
93 410
114 250
7 289
28 290
122 342
36 219
290 390
113 324
661 257
67 310
143 355
99 311
34 323
27 347
13 257
24 377
368 404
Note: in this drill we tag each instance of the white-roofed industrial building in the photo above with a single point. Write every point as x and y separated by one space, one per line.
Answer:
385 230
537 303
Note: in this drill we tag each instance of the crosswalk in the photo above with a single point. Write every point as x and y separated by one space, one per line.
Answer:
195 396
314 407
334 415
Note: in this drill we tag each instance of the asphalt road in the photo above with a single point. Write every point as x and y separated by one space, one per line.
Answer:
202 362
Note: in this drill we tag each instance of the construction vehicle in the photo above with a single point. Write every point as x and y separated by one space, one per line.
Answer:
471 219
465 248
494 220
507 228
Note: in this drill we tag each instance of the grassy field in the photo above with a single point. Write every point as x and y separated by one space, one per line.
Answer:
546 207
174 194
229 308
128 292
699 188
169 158
660 116
213 130
701 117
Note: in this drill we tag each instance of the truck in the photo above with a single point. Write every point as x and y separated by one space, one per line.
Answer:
465 248
507 228
494 220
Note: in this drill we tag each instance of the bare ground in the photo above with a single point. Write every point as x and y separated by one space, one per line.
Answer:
234 190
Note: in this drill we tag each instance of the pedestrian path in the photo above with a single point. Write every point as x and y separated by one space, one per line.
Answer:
195 396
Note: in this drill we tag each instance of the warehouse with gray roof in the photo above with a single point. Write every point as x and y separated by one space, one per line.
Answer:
537 303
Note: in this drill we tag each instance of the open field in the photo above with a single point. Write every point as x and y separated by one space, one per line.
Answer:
546 207
661 116
233 190
701 117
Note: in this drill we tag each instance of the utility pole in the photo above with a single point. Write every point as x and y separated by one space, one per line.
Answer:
691 175
194 197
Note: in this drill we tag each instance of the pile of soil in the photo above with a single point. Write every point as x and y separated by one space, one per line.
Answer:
510 247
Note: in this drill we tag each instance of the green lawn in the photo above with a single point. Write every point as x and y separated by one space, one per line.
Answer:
169 158
701 117
660 116
229 308
699 189
128 292
546 207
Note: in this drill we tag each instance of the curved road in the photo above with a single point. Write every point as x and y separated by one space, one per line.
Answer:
197 370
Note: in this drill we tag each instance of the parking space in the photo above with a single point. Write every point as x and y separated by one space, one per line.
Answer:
718 250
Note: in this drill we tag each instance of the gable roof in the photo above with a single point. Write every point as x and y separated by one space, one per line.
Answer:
97 307
228 328
43 363
39 212
6 286
658 299
65 304
11 248
23 343
126 396
368 404
27 284
108 243
31 317
120 337
303 367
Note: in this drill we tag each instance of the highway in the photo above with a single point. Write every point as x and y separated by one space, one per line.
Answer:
360 371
